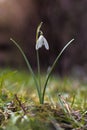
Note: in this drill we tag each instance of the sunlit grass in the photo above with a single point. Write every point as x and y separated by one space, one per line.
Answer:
20 82
72 99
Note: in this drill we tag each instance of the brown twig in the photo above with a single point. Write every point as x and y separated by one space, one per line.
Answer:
20 104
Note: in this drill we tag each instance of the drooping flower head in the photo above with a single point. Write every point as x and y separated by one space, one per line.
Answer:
42 42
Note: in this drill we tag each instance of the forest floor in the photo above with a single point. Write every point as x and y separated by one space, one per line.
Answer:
64 108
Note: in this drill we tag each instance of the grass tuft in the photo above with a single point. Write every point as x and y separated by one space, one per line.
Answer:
65 104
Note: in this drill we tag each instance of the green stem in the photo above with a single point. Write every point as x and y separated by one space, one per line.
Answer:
39 76
53 66
29 67
38 61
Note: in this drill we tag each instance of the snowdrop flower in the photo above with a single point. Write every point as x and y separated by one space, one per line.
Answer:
42 42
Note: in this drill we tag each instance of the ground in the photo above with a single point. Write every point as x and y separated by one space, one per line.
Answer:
64 108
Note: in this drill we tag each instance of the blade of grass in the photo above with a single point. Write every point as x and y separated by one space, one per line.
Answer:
29 67
53 66
68 114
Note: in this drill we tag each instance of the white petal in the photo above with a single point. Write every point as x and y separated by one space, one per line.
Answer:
46 44
42 41
39 43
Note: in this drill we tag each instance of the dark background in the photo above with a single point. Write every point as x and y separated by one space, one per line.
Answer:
62 21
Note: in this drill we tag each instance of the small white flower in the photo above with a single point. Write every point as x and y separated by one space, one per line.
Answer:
42 42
